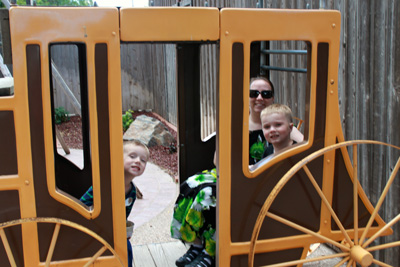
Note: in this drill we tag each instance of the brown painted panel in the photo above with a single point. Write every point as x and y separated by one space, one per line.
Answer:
10 210
267 258
8 151
342 202
71 244
298 201
101 67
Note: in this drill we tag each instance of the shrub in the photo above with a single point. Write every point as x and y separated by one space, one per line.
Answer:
127 119
61 115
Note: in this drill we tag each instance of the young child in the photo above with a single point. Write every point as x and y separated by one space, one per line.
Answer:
194 220
277 125
136 155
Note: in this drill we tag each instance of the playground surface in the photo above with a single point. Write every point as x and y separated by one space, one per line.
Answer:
151 240
152 214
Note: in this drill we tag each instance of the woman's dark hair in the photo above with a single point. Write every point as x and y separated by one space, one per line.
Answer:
264 79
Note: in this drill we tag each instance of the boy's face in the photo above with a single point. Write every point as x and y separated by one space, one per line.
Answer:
276 128
135 160
258 103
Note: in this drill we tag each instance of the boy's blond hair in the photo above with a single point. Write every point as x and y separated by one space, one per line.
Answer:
136 142
278 108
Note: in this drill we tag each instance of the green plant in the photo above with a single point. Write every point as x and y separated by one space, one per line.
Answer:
127 119
61 115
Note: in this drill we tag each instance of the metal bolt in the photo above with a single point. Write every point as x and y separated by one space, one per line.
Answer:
333 25
332 81
26 182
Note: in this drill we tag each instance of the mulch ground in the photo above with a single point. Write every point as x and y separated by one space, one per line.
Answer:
164 157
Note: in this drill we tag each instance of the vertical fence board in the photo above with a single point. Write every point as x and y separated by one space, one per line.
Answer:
170 59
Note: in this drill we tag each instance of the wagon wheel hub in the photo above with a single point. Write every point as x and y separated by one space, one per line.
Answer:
361 256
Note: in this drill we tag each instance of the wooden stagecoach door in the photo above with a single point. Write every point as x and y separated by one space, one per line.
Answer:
242 191
271 213
42 186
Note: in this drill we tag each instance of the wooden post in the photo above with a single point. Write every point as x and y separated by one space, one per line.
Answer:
63 144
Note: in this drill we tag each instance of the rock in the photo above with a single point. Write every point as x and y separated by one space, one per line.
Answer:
150 131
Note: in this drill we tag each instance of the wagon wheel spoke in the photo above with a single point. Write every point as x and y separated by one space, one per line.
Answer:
297 262
327 204
354 249
315 234
350 263
340 263
381 263
307 231
58 222
7 247
384 246
95 256
345 259
380 201
52 244
378 234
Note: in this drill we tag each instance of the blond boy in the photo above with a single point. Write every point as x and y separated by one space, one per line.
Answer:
277 125
135 155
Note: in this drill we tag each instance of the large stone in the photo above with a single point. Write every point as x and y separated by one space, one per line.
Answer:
150 131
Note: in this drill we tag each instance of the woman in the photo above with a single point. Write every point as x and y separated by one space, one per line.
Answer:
261 95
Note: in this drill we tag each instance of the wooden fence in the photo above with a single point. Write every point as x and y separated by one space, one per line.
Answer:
148 80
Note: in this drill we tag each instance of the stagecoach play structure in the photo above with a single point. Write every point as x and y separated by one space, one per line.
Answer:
268 214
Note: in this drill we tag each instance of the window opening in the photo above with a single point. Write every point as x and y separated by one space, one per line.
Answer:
70 114
284 64
66 91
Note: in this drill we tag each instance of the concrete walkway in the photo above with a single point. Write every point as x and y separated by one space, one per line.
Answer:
153 213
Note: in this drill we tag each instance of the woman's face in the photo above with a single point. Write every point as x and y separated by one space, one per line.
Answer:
257 104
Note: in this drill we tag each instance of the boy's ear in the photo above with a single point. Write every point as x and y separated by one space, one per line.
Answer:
291 126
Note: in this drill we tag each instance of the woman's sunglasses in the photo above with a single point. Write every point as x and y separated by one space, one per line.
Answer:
264 94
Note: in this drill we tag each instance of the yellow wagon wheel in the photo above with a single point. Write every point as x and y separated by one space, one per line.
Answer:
356 250
58 222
